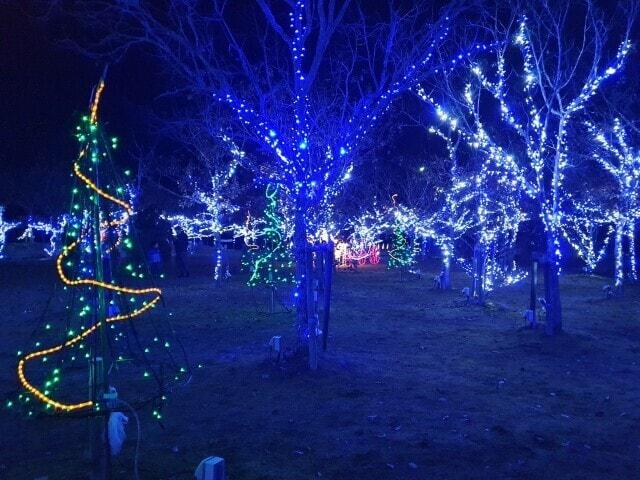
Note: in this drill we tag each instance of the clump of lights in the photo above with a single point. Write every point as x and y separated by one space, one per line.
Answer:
582 224
53 230
4 228
363 243
268 257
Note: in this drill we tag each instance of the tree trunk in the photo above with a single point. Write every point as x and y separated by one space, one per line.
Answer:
300 257
446 248
329 263
618 275
312 317
633 264
446 274
477 289
552 288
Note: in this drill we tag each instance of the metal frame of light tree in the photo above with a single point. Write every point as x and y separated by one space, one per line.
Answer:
538 108
402 251
96 229
622 162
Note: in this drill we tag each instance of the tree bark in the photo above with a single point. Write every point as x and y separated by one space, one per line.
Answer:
552 288
633 264
446 274
300 258
618 275
477 289
326 308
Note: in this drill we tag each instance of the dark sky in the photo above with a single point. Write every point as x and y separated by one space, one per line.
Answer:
44 89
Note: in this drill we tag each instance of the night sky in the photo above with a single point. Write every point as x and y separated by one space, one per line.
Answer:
44 88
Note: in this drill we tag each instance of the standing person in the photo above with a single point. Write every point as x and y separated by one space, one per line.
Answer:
180 244
164 236
155 260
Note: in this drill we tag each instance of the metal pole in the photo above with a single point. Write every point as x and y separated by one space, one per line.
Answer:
312 320
100 450
532 299
272 304
326 310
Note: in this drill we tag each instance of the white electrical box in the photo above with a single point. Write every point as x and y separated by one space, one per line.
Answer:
211 468
275 343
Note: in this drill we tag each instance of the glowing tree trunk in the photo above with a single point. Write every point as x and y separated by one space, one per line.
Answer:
447 250
633 266
552 287
478 285
625 264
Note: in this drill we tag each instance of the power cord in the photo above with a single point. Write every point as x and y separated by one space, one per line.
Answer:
139 431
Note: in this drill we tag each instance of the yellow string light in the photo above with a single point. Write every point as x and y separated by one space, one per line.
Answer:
96 102
89 282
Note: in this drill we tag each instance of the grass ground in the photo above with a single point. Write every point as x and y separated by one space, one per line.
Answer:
417 384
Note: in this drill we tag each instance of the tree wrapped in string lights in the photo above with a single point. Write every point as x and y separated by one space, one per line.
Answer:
103 327
622 161
268 258
214 196
405 244
454 218
539 88
205 184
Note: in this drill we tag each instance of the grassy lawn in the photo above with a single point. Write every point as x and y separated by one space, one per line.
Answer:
416 384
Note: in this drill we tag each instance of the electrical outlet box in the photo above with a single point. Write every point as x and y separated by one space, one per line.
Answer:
211 468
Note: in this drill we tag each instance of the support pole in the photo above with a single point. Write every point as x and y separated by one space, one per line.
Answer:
272 300
533 274
328 277
312 318
99 381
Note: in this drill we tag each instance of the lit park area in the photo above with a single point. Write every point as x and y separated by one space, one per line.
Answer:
319 239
